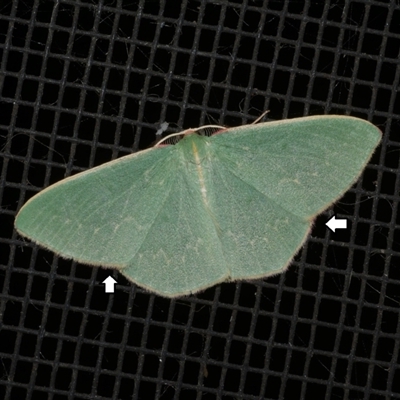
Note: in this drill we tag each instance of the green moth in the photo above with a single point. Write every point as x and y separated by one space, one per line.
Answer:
178 219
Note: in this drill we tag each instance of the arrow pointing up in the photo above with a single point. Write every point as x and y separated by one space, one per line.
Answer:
110 282
334 223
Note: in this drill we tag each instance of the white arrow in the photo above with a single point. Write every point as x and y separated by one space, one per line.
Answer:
110 282
334 223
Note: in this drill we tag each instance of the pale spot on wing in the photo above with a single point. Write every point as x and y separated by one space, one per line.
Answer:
203 188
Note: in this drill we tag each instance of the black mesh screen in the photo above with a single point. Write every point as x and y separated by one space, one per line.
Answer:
84 82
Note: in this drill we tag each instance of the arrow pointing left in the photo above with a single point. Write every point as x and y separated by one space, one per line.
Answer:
110 282
334 224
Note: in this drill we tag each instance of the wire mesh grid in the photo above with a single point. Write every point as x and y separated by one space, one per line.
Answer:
84 82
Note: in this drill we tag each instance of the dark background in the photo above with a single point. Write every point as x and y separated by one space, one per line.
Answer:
85 82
